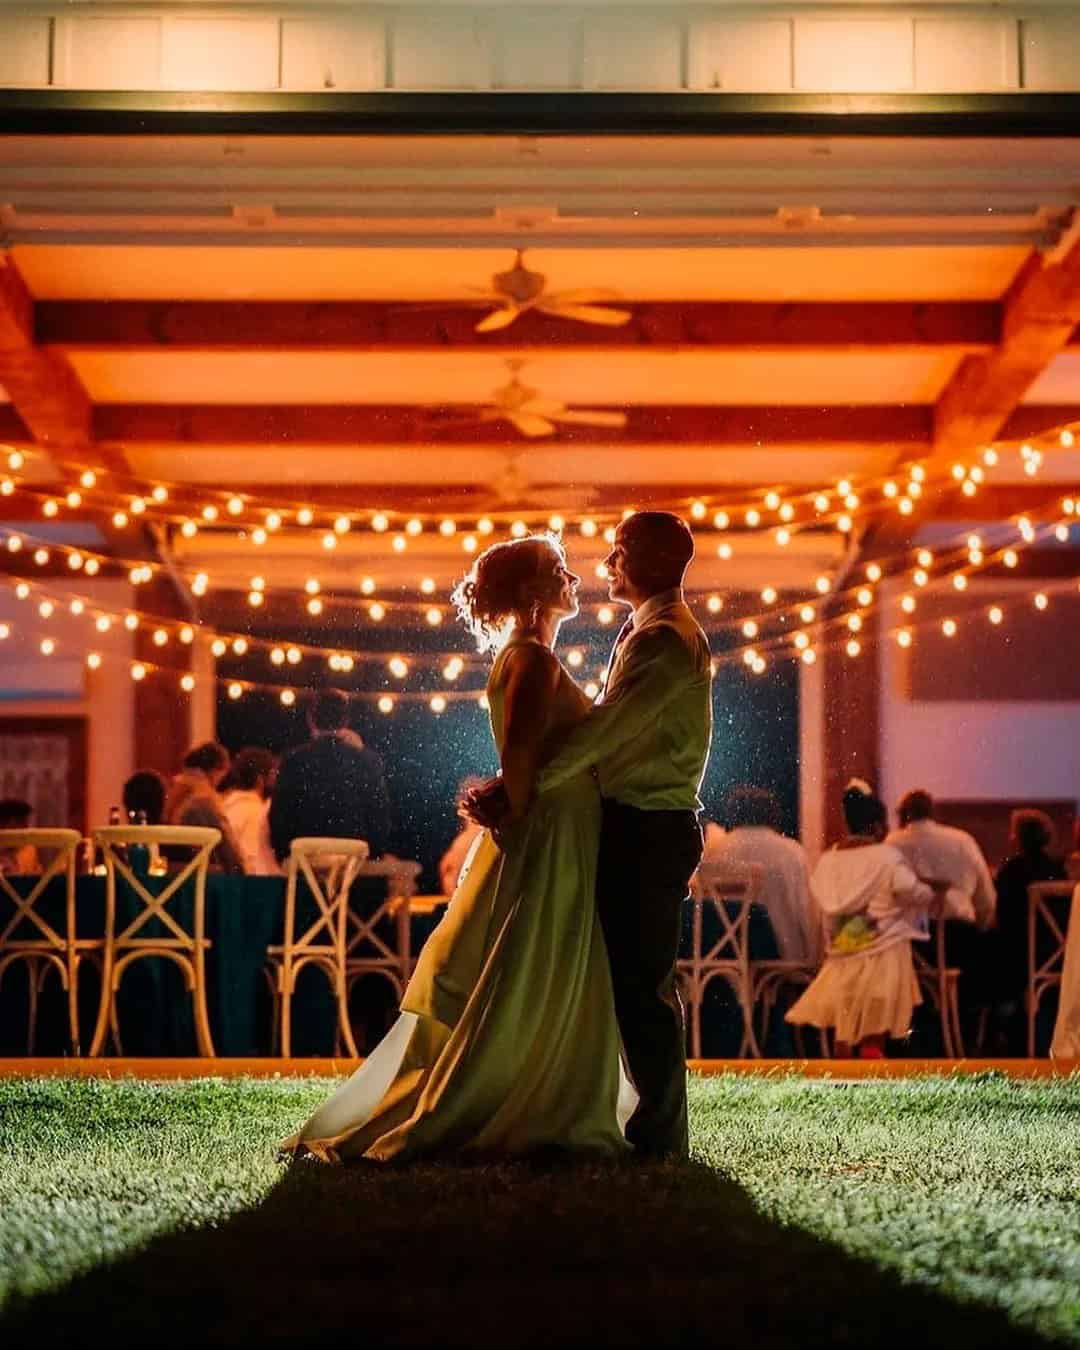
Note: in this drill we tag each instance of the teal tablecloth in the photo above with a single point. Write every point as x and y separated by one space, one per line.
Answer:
244 915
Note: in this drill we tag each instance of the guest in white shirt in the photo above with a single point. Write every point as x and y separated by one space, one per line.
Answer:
452 861
875 907
751 816
246 805
939 852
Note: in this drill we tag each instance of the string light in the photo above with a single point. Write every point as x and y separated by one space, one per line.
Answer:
949 628
903 637
93 660
995 614
235 690
288 698
438 704
1041 601
386 704
187 683
138 671
853 648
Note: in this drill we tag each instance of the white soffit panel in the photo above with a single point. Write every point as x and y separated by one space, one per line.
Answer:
977 54
538 51
633 51
852 55
434 49
346 53
101 51
741 55
1050 52
24 51
212 53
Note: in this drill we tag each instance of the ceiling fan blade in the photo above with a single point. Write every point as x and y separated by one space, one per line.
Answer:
543 407
584 417
585 295
529 424
612 318
498 318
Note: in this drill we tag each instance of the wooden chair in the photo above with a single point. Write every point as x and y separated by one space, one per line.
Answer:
329 867
731 890
769 977
186 949
940 984
367 953
1045 973
28 936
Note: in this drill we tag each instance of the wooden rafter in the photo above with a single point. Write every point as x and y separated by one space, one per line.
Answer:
46 394
1041 313
360 326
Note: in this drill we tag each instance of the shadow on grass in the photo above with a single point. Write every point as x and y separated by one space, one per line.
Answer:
510 1254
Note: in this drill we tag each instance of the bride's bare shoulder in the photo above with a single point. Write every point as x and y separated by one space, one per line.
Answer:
527 664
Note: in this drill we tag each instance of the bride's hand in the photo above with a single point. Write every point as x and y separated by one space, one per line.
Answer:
487 805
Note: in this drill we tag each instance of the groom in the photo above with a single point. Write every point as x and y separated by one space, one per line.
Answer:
649 740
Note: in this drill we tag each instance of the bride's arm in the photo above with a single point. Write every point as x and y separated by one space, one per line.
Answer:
531 678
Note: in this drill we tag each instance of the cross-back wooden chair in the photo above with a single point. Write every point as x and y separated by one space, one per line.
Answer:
367 951
1051 922
186 948
940 983
329 867
769 977
730 889
28 936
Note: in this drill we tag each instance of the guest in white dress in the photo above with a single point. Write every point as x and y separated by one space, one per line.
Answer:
246 805
452 861
752 818
874 907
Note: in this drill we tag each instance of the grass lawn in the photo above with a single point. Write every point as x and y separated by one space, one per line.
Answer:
915 1213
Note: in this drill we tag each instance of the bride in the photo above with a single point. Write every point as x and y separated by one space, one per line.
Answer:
507 1041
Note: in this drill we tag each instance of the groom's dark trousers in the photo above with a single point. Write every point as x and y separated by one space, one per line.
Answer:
646 861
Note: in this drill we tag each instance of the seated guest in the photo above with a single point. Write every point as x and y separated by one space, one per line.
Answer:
333 786
713 836
245 801
939 852
1072 862
16 814
752 818
193 799
452 860
874 907
144 792
1032 839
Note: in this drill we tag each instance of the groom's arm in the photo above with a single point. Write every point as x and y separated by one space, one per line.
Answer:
655 667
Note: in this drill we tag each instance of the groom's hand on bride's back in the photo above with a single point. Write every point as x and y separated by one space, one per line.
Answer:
487 805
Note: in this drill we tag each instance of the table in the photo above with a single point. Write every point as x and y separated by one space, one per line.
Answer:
244 915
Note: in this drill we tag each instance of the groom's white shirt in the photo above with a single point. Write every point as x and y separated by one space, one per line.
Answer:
649 738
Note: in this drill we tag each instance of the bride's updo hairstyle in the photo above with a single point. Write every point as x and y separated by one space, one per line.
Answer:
504 584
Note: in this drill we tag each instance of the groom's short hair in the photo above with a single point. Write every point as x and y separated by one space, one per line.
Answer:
661 545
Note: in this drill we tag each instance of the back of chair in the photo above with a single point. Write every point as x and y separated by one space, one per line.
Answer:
114 839
329 866
25 925
1049 921
731 888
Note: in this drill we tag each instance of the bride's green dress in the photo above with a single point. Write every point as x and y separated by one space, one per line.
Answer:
507 1041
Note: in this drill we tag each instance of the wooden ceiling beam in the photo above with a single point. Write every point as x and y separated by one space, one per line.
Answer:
1040 316
366 326
47 395
890 428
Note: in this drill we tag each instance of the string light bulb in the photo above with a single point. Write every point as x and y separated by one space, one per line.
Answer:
235 690
448 529
1041 601
138 671
288 698
853 648
377 612
807 613
995 614
294 656
385 704
187 683
380 522
48 646
903 637
93 660
438 704
714 604
434 617
768 595
948 627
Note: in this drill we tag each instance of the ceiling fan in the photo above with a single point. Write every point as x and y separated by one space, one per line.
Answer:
517 290
533 415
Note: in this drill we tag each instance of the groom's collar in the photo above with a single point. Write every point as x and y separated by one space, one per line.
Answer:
655 604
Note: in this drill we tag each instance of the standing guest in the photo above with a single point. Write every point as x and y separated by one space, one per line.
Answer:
1032 839
333 786
16 814
452 861
193 799
874 907
145 792
751 816
246 803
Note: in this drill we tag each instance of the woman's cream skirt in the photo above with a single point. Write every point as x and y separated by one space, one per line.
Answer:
865 994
